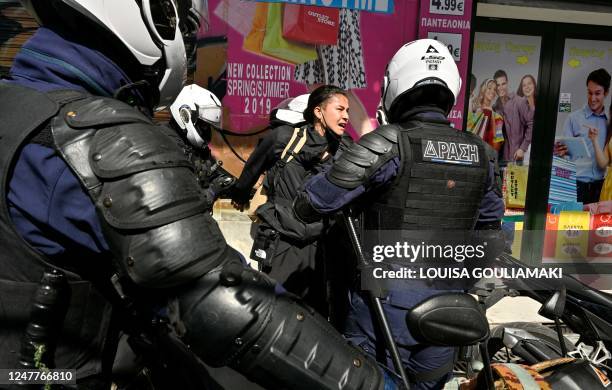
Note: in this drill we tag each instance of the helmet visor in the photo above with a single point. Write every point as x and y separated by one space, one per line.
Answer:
164 17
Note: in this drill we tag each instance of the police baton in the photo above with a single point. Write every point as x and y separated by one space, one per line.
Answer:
375 301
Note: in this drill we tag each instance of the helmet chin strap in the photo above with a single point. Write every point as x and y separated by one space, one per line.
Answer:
135 94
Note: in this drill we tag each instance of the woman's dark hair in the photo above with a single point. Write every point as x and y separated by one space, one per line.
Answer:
318 97
519 91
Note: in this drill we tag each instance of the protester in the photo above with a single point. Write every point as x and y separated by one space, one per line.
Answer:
285 248
342 65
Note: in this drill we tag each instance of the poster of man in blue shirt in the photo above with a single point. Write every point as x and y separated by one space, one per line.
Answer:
576 143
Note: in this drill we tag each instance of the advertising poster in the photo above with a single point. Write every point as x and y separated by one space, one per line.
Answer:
581 183
448 21
583 117
255 54
502 90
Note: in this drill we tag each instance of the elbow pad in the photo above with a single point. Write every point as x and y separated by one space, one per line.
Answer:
234 317
360 160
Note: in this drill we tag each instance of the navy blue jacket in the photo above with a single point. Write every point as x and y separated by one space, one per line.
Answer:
48 205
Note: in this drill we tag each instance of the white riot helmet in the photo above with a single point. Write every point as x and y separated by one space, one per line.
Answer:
423 63
192 104
148 30
291 110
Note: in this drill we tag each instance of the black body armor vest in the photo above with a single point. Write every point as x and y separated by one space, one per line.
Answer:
440 183
25 112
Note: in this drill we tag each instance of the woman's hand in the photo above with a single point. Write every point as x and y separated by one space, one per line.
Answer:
519 155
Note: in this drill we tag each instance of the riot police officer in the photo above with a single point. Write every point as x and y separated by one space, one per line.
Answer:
196 113
408 188
94 188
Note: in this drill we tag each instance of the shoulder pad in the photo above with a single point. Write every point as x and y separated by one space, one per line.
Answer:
361 159
377 143
129 148
99 112
359 155
126 141
389 132
144 188
345 174
103 138
152 198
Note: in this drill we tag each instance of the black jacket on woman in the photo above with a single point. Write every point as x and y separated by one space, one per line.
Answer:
290 246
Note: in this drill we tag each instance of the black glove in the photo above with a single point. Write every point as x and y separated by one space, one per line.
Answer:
240 196
221 185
